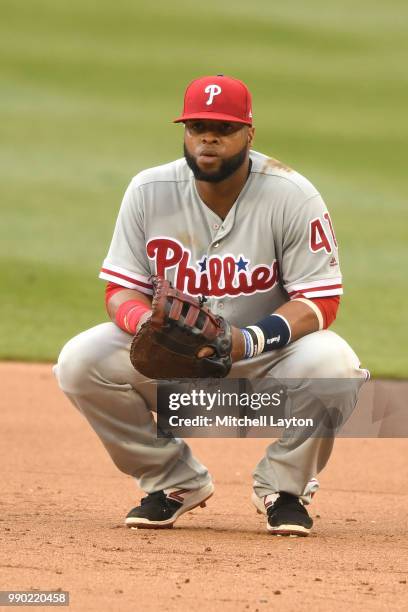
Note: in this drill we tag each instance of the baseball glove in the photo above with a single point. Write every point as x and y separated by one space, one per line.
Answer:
167 344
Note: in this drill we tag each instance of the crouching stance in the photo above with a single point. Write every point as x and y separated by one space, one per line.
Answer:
255 239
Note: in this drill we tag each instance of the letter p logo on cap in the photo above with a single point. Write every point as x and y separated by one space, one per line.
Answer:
213 90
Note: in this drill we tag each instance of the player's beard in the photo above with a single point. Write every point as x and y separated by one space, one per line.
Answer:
226 169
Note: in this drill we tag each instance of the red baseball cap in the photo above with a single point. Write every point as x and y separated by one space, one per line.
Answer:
220 98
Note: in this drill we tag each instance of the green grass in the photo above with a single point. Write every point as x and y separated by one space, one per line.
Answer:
88 91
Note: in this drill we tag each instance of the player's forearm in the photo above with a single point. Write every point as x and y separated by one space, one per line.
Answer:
288 323
129 309
301 318
123 296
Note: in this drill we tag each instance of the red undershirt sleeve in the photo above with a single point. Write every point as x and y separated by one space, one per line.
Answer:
325 308
328 306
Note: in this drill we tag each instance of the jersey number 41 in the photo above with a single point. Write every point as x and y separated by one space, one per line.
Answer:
319 234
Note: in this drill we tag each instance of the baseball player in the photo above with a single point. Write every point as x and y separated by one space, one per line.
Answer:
255 237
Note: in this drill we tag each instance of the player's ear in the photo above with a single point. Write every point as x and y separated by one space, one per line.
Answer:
251 134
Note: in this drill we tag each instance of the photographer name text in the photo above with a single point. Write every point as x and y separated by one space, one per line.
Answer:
233 421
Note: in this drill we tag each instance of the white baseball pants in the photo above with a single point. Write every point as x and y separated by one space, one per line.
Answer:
95 373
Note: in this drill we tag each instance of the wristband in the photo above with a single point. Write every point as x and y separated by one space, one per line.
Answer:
270 333
259 338
128 315
249 345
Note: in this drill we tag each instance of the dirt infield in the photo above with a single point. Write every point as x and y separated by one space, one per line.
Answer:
63 502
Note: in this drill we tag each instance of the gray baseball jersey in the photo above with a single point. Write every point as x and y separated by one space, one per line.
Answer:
277 241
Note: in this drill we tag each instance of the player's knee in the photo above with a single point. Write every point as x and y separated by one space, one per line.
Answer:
73 370
94 359
329 356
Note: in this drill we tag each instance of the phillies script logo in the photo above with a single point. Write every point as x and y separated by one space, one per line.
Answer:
217 276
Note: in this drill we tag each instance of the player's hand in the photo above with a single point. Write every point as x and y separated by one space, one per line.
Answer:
238 346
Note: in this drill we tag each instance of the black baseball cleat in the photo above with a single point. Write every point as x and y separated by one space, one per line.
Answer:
287 516
161 509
